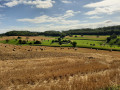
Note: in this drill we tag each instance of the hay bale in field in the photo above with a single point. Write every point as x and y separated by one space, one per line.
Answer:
71 75
28 50
60 77
75 49
41 49
61 48
14 49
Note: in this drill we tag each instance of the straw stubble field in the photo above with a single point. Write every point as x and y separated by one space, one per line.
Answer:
55 68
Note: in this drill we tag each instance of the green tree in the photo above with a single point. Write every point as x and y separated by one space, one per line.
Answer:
7 40
108 39
82 35
75 35
30 43
19 37
74 44
24 42
113 36
20 41
70 35
59 39
62 35
60 43
37 42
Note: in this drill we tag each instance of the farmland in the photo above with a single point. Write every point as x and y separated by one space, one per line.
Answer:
87 41
59 45
28 67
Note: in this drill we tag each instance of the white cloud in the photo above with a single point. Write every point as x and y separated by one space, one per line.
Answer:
108 21
12 3
66 1
94 17
37 3
104 7
63 19
70 13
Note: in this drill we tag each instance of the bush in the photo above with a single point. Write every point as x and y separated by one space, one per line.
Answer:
52 41
113 36
82 35
30 43
117 40
37 42
7 41
70 35
59 39
108 39
60 43
22 42
18 37
76 36
74 44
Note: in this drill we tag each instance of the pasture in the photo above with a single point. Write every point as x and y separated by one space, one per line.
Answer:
87 41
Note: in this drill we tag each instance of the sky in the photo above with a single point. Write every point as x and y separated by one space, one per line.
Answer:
59 15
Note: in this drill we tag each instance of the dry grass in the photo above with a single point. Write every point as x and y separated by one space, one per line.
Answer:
29 68
30 38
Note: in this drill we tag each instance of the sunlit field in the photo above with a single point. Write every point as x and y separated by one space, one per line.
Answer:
30 67
87 41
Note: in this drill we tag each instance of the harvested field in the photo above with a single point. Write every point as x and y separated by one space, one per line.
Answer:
30 38
56 68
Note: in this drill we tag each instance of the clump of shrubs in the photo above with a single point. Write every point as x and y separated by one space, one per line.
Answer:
37 42
75 35
7 40
22 42
113 40
19 37
30 43
60 41
74 44
113 36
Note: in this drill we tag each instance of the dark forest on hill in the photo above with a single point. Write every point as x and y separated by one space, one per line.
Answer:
98 31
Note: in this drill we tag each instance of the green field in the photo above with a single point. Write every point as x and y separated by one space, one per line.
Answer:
85 42
88 37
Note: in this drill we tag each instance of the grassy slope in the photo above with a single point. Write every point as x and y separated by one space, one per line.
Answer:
88 37
84 42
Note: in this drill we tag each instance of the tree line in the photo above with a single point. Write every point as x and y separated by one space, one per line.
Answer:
113 40
87 31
